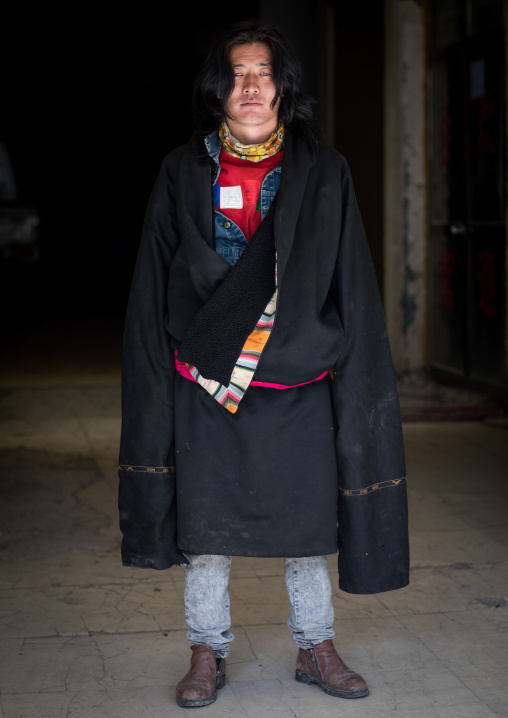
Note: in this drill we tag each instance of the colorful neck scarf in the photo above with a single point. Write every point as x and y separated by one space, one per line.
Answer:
254 153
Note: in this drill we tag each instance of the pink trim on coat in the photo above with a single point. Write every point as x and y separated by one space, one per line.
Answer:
181 368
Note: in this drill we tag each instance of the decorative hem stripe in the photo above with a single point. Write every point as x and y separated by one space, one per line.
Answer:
147 469
373 487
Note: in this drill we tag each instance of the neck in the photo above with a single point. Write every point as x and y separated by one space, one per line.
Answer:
251 135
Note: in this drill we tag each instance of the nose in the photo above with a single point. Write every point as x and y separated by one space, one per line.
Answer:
250 84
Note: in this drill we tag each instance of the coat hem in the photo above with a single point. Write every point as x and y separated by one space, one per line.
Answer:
135 561
365 592
228 551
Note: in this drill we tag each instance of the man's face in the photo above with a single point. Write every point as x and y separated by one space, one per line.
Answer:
251 117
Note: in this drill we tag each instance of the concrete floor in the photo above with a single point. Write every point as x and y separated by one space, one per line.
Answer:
83 636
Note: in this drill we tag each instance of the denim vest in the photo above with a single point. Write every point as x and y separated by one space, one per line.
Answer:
230 241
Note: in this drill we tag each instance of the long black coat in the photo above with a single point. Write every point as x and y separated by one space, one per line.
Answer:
329 314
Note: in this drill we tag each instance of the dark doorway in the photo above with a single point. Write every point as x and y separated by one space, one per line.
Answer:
467 171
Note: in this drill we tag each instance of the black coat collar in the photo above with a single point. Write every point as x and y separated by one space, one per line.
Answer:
299 156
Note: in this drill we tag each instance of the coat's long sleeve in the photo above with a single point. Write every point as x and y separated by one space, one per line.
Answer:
147 461
370 451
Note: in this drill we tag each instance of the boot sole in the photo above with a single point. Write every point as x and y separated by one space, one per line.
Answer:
204 701
310 680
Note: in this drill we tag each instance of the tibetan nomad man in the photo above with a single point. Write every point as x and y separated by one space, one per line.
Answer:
260 411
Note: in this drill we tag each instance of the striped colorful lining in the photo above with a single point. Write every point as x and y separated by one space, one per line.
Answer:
230 396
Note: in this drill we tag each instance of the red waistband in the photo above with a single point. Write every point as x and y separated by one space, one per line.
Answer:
181 368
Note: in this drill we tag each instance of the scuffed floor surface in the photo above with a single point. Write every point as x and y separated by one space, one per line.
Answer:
83 637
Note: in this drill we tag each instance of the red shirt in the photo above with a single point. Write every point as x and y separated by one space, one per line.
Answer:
238 187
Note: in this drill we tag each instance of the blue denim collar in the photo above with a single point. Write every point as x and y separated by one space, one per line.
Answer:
213 146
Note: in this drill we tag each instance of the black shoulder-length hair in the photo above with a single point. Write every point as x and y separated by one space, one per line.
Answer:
215 81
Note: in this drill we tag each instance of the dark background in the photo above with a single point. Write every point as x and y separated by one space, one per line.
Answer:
91 106
94 98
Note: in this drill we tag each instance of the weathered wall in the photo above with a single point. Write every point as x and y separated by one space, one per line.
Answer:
405 221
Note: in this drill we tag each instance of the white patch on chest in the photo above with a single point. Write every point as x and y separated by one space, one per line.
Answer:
231 197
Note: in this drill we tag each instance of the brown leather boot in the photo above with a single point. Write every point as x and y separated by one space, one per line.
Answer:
199 686
323 665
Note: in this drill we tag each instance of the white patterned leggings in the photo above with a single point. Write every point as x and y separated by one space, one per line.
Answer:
207 606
